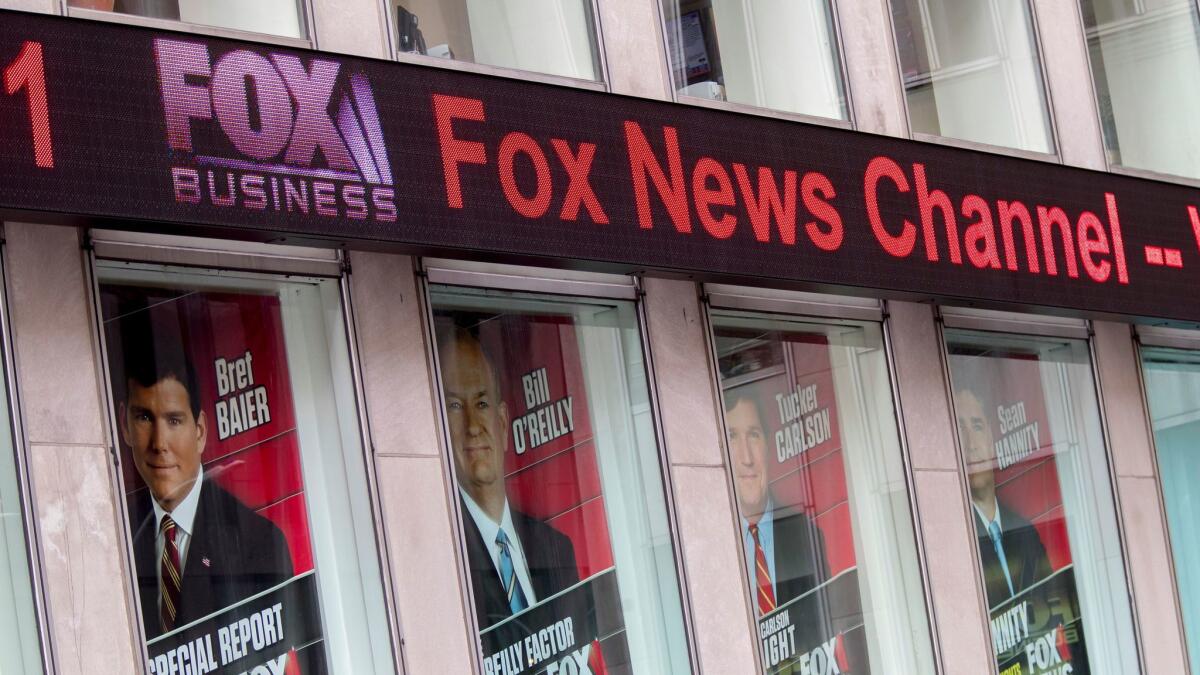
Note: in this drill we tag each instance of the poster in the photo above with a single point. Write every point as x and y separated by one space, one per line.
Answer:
533 510
787 458
211 464
1020 525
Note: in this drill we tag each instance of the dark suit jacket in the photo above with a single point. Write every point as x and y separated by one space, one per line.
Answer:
549 555
1027 559
246 553
800 563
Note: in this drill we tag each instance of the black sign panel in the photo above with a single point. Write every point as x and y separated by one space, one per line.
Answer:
117 122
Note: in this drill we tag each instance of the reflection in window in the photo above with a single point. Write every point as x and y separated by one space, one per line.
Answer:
778 54
243 469
1041 500
272 17
564 520
1146 65
1173 392
555 37
826 531
971 71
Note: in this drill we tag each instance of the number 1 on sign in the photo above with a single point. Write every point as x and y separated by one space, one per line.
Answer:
28 72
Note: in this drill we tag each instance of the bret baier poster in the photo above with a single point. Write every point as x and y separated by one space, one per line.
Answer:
214 483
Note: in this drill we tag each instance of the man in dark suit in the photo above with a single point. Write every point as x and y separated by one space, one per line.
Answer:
197 548
516 560
1010 549
785 552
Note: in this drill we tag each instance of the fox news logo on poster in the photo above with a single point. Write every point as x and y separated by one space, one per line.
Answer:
273 133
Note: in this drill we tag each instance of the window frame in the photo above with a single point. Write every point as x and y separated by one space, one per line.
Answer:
1054 155
1017 324
830 308
266 261
305 13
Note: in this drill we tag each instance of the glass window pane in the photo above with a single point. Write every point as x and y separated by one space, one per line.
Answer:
19 648
778 54
971 71
818 471
1146 64
1173 392
272 17
1041 499
556 37
560 487
244 471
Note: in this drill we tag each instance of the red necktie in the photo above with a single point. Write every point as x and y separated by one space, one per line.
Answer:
762 576
169 582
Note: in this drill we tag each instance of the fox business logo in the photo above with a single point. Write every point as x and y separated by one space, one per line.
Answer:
271 133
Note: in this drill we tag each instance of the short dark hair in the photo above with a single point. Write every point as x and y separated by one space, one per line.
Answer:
452 334
153 350
736 395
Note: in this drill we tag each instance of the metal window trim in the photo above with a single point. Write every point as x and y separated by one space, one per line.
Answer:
910 484
710 344
1151 174
368 458
1042 325
667 480
1109 164
185 251
967 514
449 480
1119 514
801 303
1048 157
531 279
1159 491
116 481
26 490
1164 336
305 12
762 111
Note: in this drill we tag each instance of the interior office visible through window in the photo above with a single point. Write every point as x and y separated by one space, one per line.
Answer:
1146 65
272 17
777 54
971 71
555 37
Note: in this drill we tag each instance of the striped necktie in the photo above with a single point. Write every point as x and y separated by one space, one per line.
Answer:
169 581
508 575
762 576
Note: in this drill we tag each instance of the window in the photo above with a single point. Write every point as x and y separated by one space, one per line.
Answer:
564 518
778 54
818 473
243 470
971 71
1041 500
1146 65
271 17
19 644
555 37
1173 391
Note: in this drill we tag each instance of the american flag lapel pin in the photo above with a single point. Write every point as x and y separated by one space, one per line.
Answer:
206 562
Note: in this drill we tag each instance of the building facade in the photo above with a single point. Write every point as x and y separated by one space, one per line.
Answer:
608 336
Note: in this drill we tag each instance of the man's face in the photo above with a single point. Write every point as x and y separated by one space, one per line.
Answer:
477 416
166 439
975 432
748 446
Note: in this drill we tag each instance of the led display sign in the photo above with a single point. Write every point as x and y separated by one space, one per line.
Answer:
124 123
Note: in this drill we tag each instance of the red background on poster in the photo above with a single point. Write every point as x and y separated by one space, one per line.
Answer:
260 466
559 481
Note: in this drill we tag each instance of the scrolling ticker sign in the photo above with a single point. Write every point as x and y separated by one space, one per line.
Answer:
119 123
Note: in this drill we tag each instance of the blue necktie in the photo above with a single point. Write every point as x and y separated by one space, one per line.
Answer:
508 575
994 532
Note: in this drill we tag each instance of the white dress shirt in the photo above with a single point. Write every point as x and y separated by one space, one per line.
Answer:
488 529
184 516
